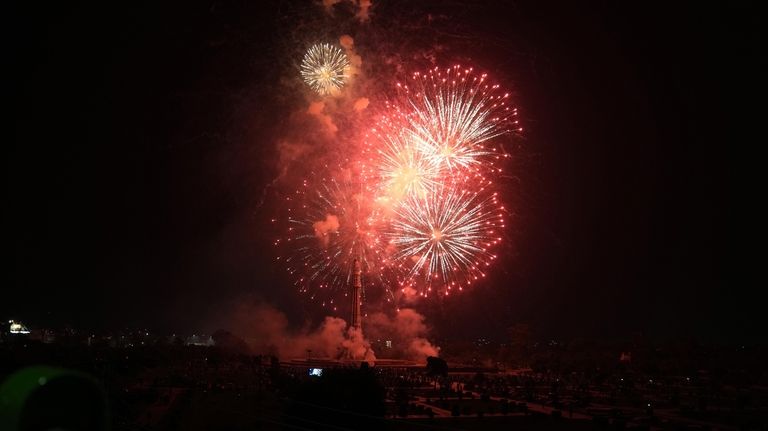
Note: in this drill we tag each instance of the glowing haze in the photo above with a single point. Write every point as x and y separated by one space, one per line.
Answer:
414 203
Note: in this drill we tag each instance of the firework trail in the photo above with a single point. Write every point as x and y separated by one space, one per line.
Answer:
325 68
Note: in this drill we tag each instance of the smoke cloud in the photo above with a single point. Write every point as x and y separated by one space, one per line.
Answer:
407 331
346 41
324 227
361 104
355 60
266 330
316 110
325 126
362 8
363 12
328 4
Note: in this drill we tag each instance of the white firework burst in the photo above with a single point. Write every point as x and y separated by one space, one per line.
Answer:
454 113
325 68
446 239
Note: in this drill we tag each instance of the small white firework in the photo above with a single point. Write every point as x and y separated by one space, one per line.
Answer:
325 68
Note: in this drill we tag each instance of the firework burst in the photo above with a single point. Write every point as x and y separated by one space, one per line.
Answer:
446 239
455 112
398 166
420 213
330 226
325 68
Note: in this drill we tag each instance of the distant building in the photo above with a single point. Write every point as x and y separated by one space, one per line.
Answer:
199 340
17 328
46 336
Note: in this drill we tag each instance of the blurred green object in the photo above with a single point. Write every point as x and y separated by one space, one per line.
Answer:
46 398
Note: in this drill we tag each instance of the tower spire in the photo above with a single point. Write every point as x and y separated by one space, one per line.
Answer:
357 286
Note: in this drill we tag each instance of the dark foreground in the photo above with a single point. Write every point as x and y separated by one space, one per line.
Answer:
173 386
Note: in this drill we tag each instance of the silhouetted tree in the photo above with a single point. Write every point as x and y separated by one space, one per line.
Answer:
436 367
228 343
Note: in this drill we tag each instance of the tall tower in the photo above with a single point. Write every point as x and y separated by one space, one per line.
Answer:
357 286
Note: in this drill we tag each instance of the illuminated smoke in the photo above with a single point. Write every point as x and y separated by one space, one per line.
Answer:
328 4
362 7
324 227
363 13
266 331
316 109
407 331
355 60
361 104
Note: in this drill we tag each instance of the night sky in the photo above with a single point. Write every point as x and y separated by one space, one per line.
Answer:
143 139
